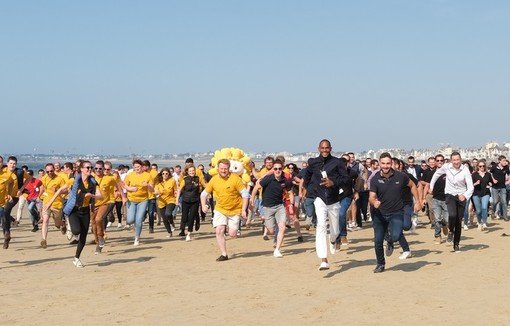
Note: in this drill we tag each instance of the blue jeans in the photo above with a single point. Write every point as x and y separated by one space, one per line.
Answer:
481 208
499 196
3 219
151 211
344 206
135 214
466 213
310 209
34 213
391 223
440 214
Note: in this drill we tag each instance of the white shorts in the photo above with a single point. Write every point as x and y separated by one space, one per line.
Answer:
231 220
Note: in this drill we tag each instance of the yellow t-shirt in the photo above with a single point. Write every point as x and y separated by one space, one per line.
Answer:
135 179
14 192
167 191
153 174
50 188
69 180
5 179
107 185
86 200
227 193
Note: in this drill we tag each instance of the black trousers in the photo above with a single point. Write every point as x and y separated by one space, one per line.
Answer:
167 214
79 219
190 215
455 216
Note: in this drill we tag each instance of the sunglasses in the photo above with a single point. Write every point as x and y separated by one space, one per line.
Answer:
87 167
277 169
439 160
50 171
481 166
98 169
107 169
165 173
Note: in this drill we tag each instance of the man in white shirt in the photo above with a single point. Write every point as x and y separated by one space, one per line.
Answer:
458 190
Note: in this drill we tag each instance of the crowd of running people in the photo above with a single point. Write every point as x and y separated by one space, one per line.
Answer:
328 192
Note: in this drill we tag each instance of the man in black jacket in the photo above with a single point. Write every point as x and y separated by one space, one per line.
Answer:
323 178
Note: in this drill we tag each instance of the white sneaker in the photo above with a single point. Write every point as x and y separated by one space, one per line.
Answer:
324 266
169 235
108 224
332 248
484 226
405 255
119 225
480 227
136 243
69 235
172 228
77 262
466 227
188 237
277 253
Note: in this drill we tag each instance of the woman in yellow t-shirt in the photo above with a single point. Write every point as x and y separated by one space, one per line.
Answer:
137 184
165 190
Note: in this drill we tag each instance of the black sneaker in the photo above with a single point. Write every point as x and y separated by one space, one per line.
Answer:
265 237
151 230
300 239
450 237
456 248
73 242
379 269
222 258
36 228
182 234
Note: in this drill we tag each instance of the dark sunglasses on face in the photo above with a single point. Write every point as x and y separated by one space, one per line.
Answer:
87 167
277 169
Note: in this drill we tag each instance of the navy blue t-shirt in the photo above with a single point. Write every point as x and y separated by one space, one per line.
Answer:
389 191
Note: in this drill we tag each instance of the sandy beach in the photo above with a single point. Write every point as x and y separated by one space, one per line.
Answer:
166 281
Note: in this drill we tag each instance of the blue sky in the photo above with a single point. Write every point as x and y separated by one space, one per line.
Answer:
145 77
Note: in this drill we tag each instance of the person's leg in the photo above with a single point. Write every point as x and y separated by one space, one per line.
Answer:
436 212
151 211
484 203
342 218
85 221
131 212
118 210
477 202
21 204
194 217
396 228
495 201
379 225
44 229
34 213
185 212
461 207
140 214
432 216
451 204
408 213
503 202
321 246
220 239
333 212
162 213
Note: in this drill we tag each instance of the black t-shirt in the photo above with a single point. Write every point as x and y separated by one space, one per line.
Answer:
426 176
483 188
438 191
407 195
347 189
273 190
389 191
500 175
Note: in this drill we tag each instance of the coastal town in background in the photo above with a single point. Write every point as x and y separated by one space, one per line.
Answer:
489 151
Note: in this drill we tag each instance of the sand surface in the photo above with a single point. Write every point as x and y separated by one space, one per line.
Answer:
170 281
